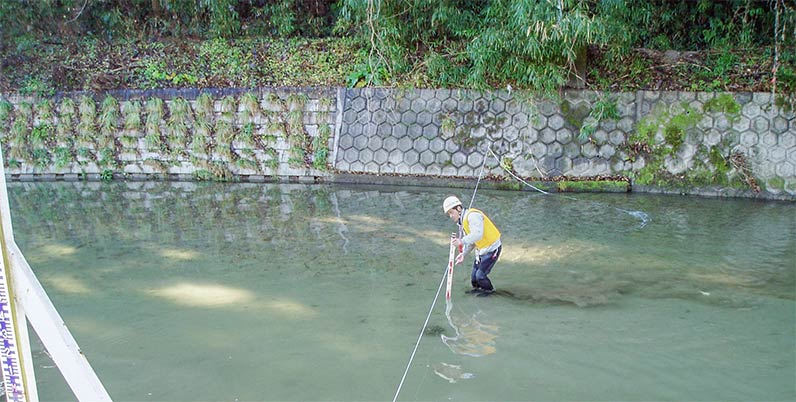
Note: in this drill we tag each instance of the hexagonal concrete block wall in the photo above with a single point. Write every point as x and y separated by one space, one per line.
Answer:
457 132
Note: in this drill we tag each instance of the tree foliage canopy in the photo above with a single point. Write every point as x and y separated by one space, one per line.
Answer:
533 44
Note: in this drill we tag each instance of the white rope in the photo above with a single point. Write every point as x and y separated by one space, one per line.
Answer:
637 214
428 316
489 148
515 176
420 337
444 276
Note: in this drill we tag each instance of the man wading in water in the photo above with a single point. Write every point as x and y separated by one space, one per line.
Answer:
479 233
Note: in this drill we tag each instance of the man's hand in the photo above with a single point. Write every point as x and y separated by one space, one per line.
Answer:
456 241
459 258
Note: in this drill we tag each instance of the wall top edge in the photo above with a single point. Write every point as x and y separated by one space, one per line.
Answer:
193 93
171 93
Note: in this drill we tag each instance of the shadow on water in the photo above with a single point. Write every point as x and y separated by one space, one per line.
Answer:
581 297
310 278
560 250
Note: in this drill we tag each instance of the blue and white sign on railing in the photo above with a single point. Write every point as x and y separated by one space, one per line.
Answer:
9 348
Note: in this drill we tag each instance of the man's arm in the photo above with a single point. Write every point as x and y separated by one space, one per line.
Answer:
476 225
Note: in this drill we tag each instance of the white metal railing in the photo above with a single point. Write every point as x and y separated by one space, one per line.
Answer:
23 299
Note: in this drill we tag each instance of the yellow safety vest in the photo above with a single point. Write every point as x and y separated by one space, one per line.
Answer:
491 232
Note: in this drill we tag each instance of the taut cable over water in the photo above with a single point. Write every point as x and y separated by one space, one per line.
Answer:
449 276
449 341
425 324
636 214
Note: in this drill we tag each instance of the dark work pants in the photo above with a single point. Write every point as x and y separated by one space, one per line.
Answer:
482 267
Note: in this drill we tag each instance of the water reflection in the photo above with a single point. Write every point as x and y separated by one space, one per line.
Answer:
451 372
472 337
241 290
558 249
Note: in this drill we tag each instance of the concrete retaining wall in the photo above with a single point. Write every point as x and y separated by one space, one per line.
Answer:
739 144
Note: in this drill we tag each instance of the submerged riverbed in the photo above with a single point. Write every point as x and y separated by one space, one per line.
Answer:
212 291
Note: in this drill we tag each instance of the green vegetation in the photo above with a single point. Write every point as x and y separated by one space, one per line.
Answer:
87 125
723 103
537 45
603 109
529 46
154 116
723 167
642 142
587 186
674 127
586 120
174 129
178 125
321 146
106 175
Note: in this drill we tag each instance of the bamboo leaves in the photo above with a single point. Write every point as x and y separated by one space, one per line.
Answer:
531 43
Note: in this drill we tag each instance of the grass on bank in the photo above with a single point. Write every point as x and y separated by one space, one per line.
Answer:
42 68
91 64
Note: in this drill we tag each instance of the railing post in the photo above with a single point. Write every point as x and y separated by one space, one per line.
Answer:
11 317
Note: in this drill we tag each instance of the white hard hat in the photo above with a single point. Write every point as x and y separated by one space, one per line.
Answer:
449 203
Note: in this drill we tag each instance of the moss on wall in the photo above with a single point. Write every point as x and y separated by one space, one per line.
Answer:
723 103
601 186
673 129
574 115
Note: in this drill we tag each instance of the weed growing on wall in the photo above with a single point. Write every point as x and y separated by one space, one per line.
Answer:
586 119
64 129
275 127
87 124
6 118
178 125
18 144
223 135
131 110
42 133
247 138
296 133
603 109
724 103
108 121
321 146
41 158
249 112
62 157
40 137
152 130
645 144
106 158
786 102
107 145
204 119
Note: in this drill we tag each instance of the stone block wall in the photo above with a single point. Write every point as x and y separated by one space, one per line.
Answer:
715 144
186 134
720 144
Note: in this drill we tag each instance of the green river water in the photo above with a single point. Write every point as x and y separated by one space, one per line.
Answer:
288 292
